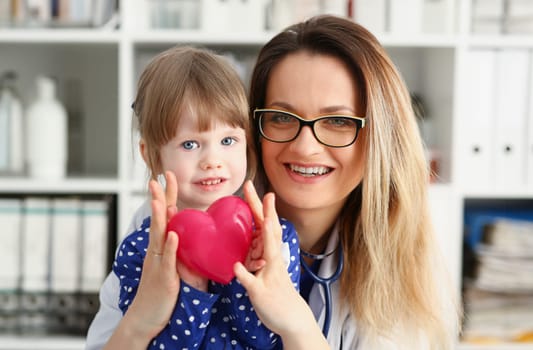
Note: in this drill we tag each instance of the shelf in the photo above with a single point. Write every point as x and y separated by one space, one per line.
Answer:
501 41
503 193
28 342
425 40
170 36
69 185
501 346
68 36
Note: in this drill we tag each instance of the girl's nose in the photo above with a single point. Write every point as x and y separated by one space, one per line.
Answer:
210 162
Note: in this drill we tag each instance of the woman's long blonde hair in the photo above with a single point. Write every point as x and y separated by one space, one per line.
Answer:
394 281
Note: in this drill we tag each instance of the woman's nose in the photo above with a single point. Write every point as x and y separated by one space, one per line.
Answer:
306 142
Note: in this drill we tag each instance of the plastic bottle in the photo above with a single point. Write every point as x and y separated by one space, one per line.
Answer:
11 126
46 133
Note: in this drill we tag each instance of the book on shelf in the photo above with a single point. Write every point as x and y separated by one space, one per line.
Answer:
62 13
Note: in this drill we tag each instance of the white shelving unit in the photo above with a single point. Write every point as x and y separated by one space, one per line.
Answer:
108 63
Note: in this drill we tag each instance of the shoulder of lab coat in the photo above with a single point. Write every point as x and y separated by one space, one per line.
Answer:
344 333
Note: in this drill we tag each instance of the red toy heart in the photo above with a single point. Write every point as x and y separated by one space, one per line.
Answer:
211 242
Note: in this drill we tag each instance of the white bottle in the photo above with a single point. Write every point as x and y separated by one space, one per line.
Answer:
4 133
11 126
46 133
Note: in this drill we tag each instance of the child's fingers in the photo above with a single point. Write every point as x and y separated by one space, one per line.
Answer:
256 250
255 265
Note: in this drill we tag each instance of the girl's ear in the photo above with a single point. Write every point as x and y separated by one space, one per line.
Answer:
143 150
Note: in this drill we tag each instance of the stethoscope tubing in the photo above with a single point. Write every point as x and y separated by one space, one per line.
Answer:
326 286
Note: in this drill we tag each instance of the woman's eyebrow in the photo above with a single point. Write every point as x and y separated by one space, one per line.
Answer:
336 108
283 105
323 110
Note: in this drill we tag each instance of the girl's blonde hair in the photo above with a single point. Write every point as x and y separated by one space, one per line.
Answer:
186 77
393 281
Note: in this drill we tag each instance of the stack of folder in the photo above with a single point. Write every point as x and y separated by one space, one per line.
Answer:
498 291
55 258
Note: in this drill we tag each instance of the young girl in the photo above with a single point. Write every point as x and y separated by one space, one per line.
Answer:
192 115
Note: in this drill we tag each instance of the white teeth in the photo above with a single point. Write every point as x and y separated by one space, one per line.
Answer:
211 182
309 171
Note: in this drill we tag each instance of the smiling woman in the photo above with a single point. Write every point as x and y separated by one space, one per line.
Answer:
364 202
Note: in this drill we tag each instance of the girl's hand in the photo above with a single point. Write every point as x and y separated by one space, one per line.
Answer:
277 303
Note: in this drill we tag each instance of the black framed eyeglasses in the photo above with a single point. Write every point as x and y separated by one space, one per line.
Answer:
330 130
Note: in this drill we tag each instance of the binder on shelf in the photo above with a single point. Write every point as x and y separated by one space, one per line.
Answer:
10 234
94 233
371 14
529 146
36 243
65 247
511 103
475 139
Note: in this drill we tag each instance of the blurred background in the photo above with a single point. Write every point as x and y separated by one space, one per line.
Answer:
71 176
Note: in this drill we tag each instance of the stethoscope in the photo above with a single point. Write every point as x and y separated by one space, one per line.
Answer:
324 282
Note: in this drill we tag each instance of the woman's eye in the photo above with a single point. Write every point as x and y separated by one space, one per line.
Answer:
227 141
282 118
340 122
188 145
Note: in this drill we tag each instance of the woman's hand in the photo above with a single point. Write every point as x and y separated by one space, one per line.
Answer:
159 286
277 303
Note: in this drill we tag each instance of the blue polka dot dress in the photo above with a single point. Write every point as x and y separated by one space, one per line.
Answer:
221 318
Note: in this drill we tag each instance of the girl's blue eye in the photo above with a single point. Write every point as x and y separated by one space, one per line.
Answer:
227 141
188 145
